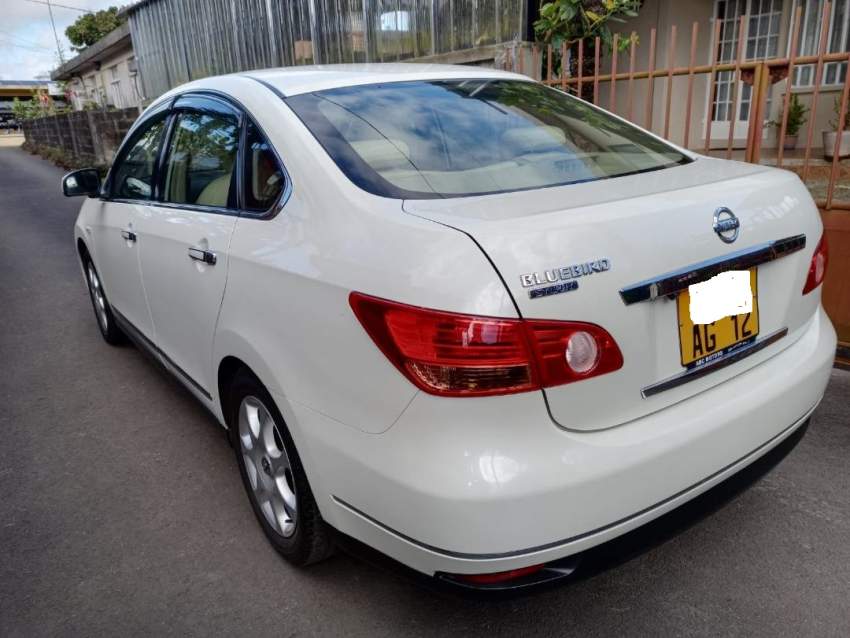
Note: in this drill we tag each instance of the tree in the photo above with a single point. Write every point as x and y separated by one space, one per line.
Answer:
39 105
574 20
91 27
571 21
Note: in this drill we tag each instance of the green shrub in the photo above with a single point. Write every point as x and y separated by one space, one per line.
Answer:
796 116
836 108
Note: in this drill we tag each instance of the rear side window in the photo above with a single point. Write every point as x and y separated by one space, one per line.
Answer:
264 178
201 165
452 138
133 174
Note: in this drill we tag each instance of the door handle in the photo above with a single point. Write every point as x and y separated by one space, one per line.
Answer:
129 235
199 254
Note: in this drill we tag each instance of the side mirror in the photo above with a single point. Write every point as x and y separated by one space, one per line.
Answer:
83 182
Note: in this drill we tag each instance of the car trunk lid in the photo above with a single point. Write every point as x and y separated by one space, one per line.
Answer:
611 234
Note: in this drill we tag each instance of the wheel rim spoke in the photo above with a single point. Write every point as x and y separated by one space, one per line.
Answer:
268 511
286 494
284 519
267 433
249 425
251 470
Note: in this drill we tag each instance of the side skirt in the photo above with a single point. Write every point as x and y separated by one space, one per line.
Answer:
148 346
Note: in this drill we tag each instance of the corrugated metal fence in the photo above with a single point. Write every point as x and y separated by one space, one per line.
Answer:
180 40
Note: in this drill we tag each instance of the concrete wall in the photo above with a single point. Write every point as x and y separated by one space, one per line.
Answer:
821 120
88 137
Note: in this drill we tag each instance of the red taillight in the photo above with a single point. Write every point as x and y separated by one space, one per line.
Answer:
817 267
453 354
497 577
553 343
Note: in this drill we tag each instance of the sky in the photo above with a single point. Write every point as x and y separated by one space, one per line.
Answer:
27 45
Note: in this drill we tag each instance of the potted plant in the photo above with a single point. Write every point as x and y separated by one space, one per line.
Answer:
796 118
829 136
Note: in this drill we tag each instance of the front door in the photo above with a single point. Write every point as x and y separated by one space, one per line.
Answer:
186 237
760 41
115 234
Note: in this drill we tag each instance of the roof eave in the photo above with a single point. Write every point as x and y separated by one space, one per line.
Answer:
104 48
131 8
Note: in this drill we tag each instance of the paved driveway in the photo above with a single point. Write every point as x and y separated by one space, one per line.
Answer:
121 510
10 139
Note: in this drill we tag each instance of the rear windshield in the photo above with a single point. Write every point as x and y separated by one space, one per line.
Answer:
452 138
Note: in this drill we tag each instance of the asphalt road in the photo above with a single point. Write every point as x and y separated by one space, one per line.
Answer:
121 509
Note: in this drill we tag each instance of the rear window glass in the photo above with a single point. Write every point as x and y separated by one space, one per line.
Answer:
455 138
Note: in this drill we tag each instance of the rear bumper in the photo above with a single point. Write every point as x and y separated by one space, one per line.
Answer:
488 485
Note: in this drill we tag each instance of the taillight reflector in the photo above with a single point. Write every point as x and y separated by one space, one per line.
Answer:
452 354
497 577
817 267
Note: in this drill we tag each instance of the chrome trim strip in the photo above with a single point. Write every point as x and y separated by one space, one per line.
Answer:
678 280
767 445
726 360
245 114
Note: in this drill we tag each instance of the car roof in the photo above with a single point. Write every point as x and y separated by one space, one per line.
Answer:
307 79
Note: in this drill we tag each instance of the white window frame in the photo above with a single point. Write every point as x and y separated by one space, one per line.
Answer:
115 87
811 48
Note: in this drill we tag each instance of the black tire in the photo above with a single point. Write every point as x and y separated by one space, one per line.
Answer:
103 315
311 541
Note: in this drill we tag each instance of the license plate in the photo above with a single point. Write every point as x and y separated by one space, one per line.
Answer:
702 343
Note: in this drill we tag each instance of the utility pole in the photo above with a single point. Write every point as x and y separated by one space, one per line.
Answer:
53 22
55 35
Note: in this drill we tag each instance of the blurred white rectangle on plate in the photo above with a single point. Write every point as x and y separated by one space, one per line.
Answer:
724 295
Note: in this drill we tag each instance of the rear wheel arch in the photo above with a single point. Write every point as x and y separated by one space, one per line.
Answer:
83 251
228 369
304 537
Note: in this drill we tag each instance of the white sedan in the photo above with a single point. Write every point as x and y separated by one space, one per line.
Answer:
466 319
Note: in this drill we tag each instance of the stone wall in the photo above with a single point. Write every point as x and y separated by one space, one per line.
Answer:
88 137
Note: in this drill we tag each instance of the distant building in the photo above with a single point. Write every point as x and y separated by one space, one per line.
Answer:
22 90
103 74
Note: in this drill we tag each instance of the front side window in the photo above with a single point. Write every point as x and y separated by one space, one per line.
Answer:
454 138
264 178
133 174
201 164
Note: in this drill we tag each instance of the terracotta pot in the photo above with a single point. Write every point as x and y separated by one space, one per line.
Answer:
829 144
790 142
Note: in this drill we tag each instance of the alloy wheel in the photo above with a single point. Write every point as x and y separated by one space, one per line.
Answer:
267 466
99 299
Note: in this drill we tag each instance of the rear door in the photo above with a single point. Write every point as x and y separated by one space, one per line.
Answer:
185 238
597 248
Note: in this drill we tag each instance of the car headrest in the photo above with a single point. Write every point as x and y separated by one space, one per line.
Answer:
528 139
383 154
215 193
